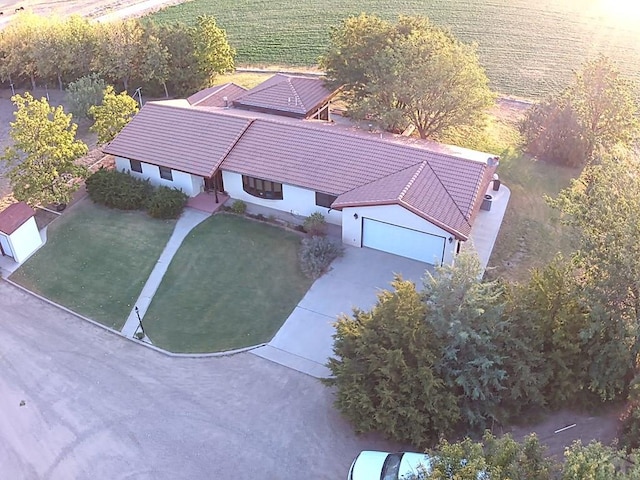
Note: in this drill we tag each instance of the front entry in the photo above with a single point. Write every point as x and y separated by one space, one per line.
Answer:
214 183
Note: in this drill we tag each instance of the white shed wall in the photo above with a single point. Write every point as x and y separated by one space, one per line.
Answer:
395 215
192 185
296 200
6 246
25 240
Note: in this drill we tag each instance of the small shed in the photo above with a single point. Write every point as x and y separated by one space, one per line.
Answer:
19 235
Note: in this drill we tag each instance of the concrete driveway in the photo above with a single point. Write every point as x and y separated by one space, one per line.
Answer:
305 341
98 406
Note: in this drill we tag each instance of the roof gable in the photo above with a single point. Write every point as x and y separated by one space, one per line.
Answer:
14 216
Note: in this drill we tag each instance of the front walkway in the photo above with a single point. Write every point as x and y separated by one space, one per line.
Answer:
189 219
305 341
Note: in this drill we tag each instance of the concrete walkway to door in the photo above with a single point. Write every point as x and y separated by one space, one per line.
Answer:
305 341
189 219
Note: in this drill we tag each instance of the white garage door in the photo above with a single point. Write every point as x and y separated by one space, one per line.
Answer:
402 241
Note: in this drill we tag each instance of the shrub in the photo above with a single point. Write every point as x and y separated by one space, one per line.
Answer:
315 224
118 190
239 207
166 203
629 434
316 255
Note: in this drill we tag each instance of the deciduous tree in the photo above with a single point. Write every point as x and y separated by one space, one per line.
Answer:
602 205
212 50
41 161
595 113
113 114
412 72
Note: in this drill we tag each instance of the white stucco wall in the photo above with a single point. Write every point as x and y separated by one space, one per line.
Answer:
192 185
25 240
296 200
6 246
395 215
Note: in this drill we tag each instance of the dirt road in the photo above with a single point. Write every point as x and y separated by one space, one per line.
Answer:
102 10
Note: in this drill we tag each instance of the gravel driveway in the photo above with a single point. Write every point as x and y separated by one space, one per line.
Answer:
101 407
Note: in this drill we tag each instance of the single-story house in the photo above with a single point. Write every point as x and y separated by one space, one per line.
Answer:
401 198
19 235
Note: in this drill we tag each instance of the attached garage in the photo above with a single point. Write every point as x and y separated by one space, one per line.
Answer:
406 242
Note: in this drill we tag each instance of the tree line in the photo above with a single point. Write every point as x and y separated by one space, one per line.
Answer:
167 58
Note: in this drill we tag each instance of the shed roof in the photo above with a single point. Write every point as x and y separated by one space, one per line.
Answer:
286 94
14 216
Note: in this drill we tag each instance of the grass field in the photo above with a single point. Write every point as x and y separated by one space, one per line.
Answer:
96 261
528 48
232 284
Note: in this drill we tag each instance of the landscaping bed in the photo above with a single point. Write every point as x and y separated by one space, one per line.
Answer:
96 261
232 284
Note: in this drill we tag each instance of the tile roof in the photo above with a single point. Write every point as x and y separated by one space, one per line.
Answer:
443 188
14 216
286 94
215 96
185 139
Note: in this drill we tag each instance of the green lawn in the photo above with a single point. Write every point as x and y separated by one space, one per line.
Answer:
232 284
528 48
96 261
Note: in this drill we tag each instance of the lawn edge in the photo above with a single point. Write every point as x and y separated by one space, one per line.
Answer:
225 353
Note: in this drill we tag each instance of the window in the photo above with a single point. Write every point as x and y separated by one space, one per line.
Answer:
166 173
262 188
136 166
324 199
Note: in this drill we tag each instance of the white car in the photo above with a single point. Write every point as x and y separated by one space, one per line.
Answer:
370 465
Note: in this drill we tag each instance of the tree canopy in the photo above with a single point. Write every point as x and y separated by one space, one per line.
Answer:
41 161
597 112
385 369
129 53
408 73
84 93
111 116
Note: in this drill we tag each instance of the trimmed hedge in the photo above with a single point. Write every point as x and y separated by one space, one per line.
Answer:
166 203
120 190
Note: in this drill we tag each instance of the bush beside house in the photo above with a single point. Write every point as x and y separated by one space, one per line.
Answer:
122 191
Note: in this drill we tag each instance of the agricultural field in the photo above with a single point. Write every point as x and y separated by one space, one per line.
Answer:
528 48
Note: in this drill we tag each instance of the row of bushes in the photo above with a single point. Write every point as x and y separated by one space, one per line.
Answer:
119 190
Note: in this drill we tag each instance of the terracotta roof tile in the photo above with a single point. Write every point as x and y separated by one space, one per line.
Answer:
215 96
286 94
185 139
14 216
442 188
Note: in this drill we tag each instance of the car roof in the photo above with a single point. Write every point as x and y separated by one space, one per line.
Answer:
411 464
368 464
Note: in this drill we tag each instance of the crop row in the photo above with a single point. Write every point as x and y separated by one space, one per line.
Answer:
527 48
